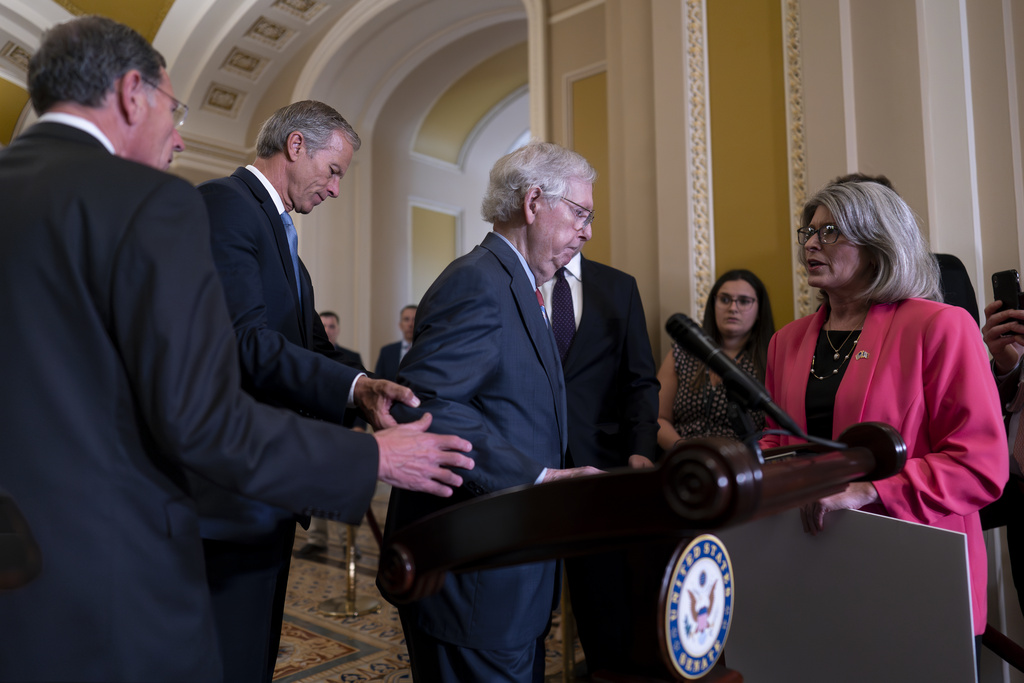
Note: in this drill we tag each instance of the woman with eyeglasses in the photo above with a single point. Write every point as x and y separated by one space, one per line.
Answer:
882 348
692 401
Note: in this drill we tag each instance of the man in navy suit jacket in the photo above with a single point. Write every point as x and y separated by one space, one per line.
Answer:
302 150
612 394
98 435
391 355
485 363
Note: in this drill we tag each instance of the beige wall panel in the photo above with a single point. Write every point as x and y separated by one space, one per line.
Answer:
824 98
577 49
672 178
631 147
887 86
991 108
1016 83
556 6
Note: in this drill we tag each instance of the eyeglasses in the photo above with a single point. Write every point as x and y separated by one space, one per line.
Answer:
742 302
581 212
180 111
827 234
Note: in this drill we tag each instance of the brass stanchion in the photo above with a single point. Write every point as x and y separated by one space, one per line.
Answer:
568 634
350 605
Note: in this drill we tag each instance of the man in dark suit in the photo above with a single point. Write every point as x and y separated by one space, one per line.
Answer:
98 434
612 394
317 535
391 355
485 363
302 152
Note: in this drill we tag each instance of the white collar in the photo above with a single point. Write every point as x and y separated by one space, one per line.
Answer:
274 195
81 124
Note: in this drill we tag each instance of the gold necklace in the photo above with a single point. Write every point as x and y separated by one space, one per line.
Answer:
828 337
836 356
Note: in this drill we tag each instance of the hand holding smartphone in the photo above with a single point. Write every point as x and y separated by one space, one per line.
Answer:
1006 288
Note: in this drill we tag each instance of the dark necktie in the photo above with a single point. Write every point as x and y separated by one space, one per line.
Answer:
293 247
563 318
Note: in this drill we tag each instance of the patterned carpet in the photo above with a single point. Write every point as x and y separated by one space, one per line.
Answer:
332 649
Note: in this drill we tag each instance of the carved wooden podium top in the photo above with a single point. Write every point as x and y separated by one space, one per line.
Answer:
699 486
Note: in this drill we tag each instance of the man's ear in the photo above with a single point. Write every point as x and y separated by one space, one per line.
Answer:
132 94
530 202
295 144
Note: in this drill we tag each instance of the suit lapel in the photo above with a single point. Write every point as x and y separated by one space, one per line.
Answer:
284 255
533 319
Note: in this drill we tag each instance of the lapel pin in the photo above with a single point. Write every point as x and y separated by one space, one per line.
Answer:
861 354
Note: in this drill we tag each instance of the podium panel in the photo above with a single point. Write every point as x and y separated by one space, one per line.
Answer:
870 598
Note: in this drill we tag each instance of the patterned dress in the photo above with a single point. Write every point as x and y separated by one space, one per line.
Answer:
703 413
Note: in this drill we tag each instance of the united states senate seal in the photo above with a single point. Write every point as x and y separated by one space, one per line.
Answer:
698 610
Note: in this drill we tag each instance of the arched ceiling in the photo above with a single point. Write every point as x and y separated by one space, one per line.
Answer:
235 61
450 122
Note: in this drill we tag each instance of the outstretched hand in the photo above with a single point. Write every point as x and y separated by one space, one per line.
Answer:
413 459
374 398
1005 350
857 495
555 475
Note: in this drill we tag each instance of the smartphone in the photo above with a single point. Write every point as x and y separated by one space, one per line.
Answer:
1006 288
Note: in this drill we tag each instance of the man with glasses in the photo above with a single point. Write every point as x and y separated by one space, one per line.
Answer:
102 247
485 362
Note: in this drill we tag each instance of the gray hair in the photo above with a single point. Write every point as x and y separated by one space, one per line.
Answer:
537 164
871 215
79 61
315 120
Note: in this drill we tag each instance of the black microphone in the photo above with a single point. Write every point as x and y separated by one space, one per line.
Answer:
744 388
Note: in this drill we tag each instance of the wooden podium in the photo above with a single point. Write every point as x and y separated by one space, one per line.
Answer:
663 516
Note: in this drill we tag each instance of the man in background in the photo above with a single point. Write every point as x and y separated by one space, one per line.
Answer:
302 152
611 392
485 363
391 355
317 535
103 247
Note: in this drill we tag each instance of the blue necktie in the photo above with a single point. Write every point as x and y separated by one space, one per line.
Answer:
293 247
563 318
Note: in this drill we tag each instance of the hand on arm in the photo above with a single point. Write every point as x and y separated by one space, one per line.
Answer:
374 398
857 495
413 459
1006 351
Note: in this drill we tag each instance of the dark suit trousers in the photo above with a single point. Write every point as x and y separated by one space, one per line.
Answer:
1008 511
599 589
435 661
248 582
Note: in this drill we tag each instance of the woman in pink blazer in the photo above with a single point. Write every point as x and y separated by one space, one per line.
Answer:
881 348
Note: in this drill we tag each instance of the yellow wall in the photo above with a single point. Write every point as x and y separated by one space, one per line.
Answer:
433 247
590 138
748 145
13 99
145 16
453 117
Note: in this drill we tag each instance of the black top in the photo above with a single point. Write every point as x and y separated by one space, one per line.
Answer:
703 413
820 399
